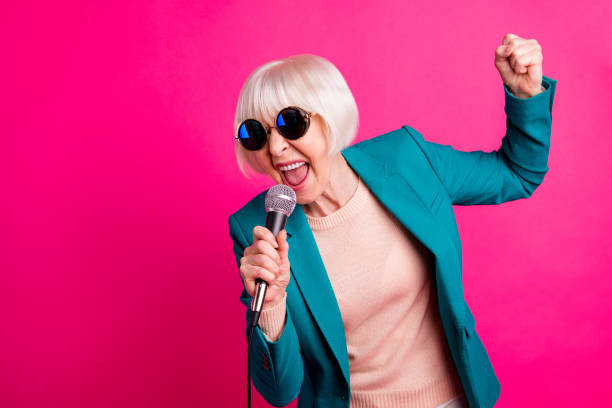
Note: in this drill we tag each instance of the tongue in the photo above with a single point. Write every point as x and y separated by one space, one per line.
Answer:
296 176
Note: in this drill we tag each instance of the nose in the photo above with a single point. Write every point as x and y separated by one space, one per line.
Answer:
277 143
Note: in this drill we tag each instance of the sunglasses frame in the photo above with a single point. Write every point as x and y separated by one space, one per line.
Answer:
305 114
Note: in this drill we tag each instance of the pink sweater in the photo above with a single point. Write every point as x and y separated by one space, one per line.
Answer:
382 277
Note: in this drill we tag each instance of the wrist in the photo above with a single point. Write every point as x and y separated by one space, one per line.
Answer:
528 94
274 303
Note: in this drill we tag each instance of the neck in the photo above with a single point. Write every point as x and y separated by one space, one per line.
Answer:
340 188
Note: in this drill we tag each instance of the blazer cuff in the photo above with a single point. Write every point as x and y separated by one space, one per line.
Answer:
540 104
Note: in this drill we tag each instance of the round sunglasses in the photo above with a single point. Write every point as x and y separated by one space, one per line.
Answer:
292 123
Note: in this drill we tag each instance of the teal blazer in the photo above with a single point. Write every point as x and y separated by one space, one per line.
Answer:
418 181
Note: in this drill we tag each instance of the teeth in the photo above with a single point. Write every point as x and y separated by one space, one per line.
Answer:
291 166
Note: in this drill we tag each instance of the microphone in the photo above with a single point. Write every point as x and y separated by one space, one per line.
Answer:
280 203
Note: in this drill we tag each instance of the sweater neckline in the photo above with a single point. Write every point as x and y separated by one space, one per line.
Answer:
349 210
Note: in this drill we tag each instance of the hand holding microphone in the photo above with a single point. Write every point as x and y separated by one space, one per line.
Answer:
266 262
267 259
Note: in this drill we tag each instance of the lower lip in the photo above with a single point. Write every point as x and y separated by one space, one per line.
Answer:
302 183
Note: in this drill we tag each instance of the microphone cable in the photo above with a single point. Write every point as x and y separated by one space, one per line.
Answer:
255 316
254 319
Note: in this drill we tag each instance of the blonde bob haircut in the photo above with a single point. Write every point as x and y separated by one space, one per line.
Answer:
308 81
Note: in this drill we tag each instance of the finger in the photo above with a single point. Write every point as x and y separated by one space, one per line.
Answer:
517 52
508 37
249 284
515 44
502 52
501 61
262 261
263 247
525 48
524 61
252 273
260 232
533 65
283 245
531 58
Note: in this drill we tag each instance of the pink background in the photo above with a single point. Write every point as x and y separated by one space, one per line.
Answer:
118 285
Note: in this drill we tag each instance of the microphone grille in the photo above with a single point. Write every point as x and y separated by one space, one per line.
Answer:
281 198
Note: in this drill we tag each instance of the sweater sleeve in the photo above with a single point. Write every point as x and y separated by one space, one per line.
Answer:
272 320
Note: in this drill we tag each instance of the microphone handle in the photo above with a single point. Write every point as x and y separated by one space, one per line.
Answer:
275 222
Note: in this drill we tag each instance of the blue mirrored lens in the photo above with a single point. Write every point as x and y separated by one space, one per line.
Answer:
243 134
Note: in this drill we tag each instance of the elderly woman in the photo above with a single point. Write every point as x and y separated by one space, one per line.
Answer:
365 304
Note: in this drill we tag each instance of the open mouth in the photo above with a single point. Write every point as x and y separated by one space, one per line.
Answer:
295 175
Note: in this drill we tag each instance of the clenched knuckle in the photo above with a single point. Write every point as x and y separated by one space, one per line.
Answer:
265 262
257 258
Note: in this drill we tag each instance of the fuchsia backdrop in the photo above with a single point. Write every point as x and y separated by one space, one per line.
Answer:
118 285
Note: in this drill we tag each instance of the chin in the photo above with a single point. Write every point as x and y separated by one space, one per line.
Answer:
301 197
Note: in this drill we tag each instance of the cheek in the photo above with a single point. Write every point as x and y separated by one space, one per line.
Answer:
265 167
258 163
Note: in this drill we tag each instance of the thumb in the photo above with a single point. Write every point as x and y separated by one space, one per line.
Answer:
501 62
535 74
283 246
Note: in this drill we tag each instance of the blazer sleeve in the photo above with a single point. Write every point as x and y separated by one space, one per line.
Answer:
513 171
277 368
